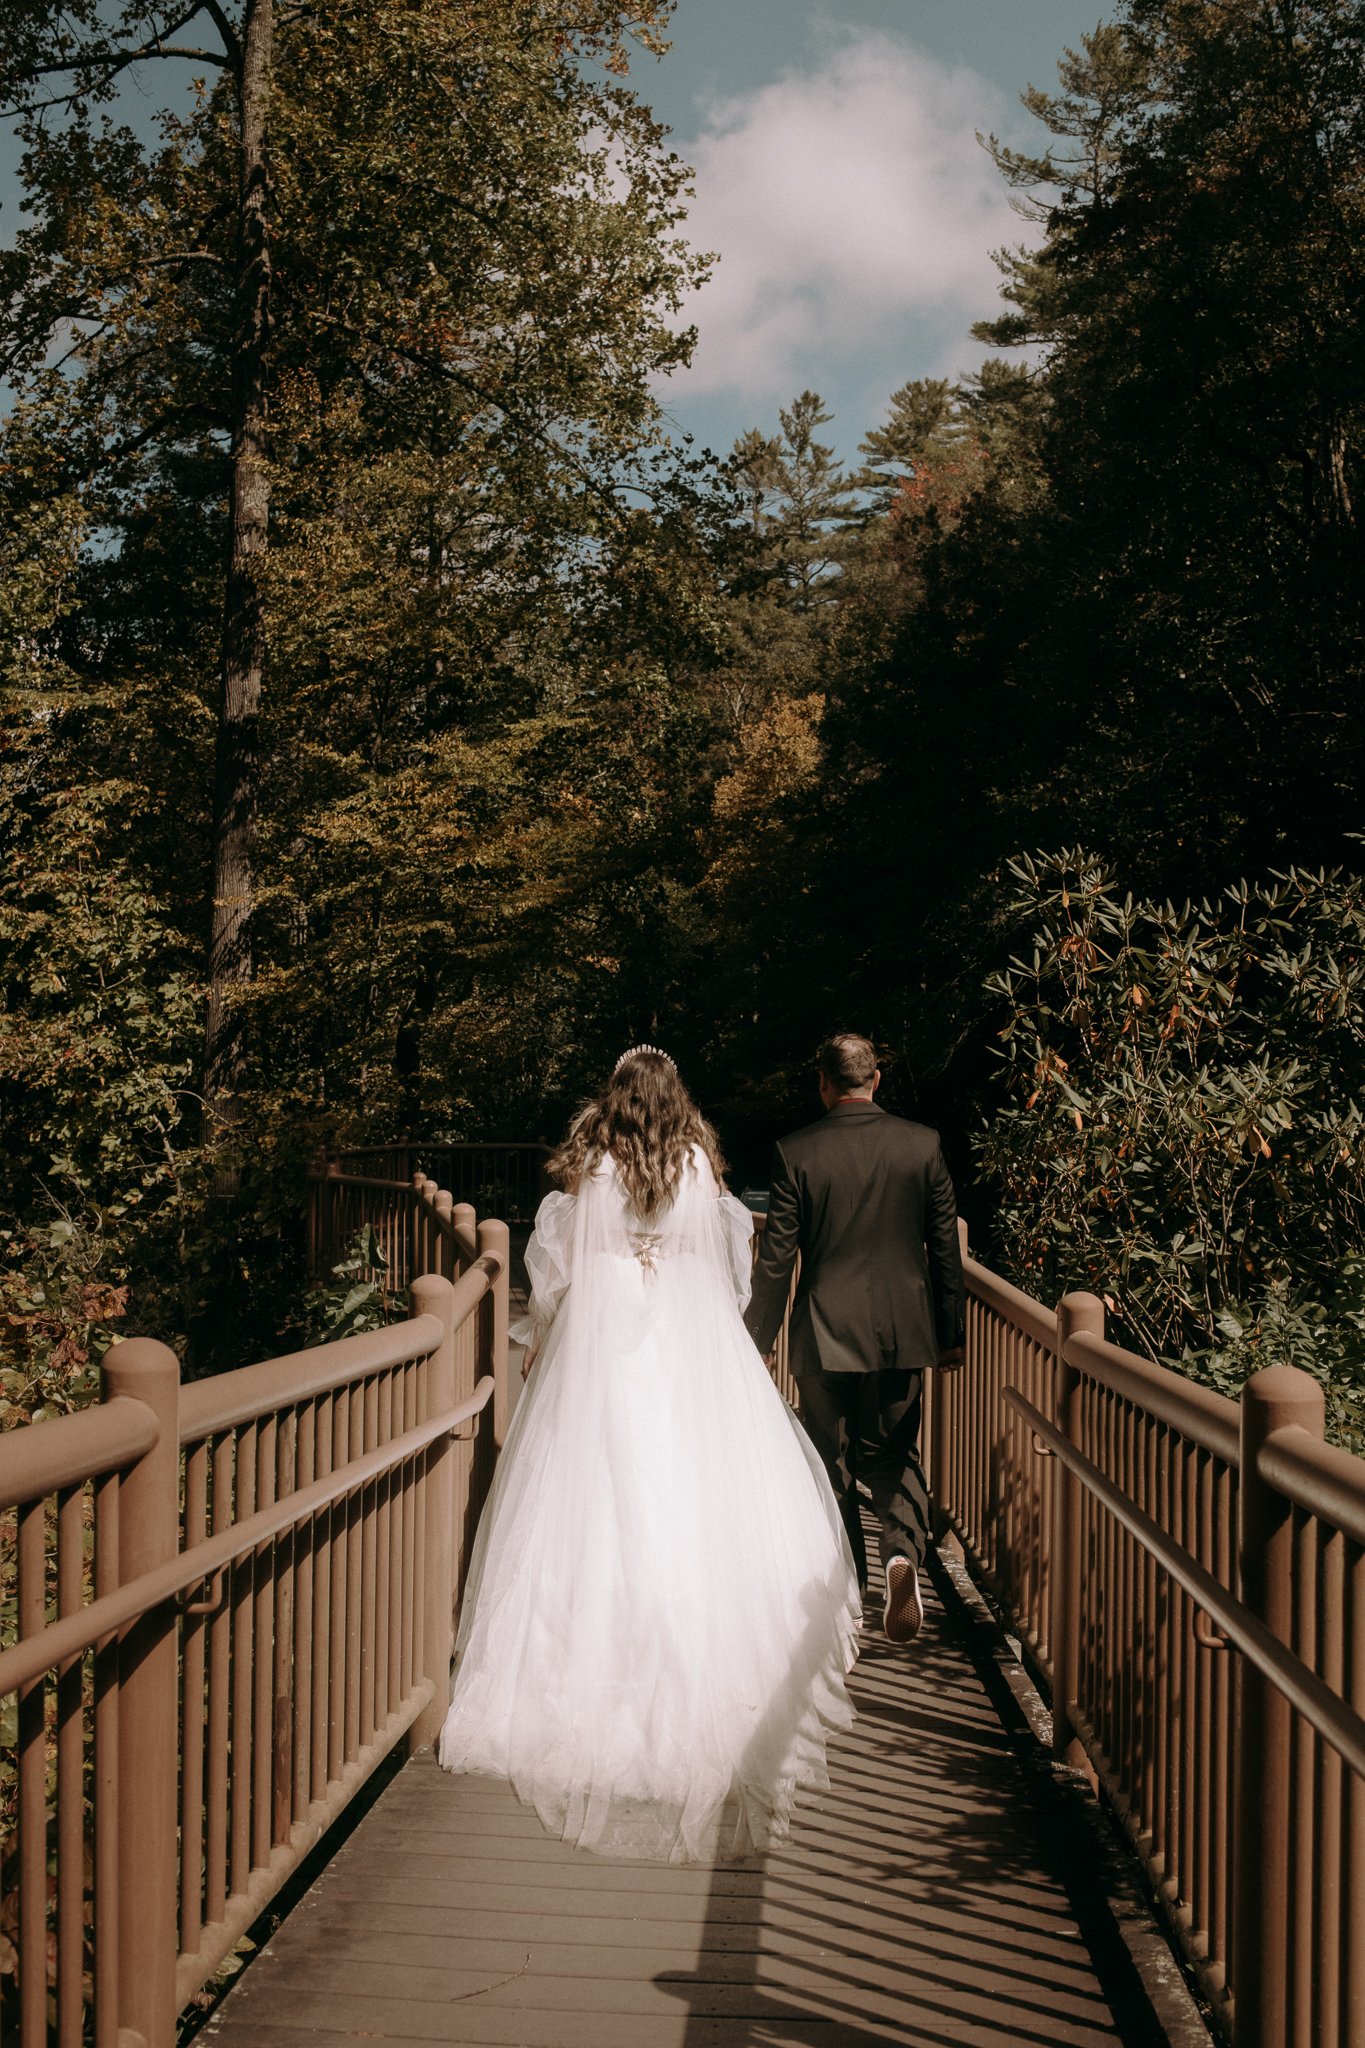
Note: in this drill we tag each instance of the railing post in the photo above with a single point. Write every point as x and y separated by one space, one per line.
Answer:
446 1261
317 1182
937 1388
1077 1315
331 1203
431 1296
1280 1397
419 1181
464 1219
495 1239
149 1708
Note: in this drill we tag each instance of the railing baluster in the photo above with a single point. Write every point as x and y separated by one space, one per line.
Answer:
408 1382
370 1511
305 1619
71 1511
1330 1928
263 1654
338 1545
1075 1312
192 1718
105 1789
355 1578
31 1767
221 1622
391 1553
282 1671
324 1606
243 1590
432 1296
1277 1398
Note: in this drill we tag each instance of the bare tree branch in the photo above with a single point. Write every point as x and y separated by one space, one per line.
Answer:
231 41
110 61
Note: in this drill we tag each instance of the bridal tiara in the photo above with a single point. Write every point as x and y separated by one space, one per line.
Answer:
631 1051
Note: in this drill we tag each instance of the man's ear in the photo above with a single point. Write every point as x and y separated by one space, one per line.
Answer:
876 1080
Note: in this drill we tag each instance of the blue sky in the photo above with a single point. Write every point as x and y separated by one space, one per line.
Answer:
840 180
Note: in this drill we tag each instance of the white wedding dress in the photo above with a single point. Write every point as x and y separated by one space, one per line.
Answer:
661 1605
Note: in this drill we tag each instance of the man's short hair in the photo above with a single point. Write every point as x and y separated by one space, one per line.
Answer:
847 1061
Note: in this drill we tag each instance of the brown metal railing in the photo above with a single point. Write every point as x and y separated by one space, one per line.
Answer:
375 1188
1188 1574
779 1358
233 1600
373 1185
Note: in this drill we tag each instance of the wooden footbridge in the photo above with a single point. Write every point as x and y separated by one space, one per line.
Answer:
229 1648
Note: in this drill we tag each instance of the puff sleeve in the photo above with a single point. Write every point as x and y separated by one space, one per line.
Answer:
737 1230
549 1262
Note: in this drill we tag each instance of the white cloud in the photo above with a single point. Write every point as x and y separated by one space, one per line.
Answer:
847 205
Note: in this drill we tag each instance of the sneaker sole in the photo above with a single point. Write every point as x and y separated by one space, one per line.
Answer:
903 1615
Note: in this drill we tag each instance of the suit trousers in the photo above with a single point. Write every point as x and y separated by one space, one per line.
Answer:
865 1425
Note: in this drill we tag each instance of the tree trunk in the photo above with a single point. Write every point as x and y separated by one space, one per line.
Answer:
237 767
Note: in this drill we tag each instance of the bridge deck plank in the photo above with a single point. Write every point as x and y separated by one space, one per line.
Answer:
918 1905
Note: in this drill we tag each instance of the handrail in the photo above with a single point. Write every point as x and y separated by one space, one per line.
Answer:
1206 1418
207 1406
464 1241
342 1179
1012 1303
1321 1478
75 1633
1323 1709
66 1450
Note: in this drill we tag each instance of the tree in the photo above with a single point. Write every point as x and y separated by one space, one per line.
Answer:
797 500
73 62
1200 294
466 268
209 287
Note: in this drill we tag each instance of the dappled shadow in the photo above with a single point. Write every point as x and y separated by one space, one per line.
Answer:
920 1903
915 1903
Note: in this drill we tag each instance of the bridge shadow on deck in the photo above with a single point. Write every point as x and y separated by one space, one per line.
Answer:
921 1903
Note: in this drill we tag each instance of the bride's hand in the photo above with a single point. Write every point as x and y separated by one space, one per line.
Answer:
529 1360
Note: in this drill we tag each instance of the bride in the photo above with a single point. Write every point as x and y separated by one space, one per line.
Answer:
661 1604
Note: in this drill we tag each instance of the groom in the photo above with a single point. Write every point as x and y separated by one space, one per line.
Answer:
865 1198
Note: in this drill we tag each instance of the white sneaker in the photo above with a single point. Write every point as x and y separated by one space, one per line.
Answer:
903 1614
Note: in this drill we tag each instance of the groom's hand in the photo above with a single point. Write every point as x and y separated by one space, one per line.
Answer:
954 1360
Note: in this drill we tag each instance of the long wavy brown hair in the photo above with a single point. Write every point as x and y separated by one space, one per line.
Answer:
647 1122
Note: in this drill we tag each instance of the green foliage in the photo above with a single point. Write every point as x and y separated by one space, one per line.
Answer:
561 724
470 749
359 1297
1183 1124
58 1310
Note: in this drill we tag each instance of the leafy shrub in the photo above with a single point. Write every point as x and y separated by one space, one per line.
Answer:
57 1312
359 1297
1182 1129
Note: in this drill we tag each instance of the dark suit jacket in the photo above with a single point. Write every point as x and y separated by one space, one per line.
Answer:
866 1199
